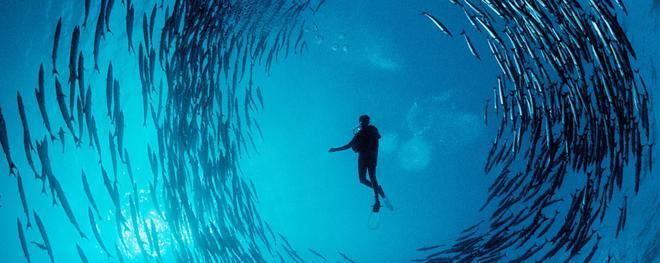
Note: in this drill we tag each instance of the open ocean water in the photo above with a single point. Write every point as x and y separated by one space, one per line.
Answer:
243 174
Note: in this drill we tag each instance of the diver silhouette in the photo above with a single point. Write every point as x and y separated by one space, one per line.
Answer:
365 143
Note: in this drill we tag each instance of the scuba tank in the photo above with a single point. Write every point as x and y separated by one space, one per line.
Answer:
355 146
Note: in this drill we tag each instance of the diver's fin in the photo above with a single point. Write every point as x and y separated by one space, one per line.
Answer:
386 200
388 204
374 221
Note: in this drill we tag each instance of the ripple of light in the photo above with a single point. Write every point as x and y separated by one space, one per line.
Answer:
132 248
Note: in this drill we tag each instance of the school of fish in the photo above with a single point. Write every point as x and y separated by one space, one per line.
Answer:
571 106
196 63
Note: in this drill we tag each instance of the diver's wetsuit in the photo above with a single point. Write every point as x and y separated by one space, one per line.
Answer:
365 143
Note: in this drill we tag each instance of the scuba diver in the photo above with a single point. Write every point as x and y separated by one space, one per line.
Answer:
365 143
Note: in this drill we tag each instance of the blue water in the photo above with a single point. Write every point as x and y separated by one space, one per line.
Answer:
424 91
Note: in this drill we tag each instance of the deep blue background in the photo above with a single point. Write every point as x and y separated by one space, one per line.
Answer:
424 91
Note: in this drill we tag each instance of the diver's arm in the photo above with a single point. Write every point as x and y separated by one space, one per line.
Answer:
345 147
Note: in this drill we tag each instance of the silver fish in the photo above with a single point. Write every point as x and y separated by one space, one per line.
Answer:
437 23
21 192
470 46
88 193
56 43
27 140
5 144
87 4
95 230
21 237
108 12
44 236
83 258
65 113
130 18
73 72
41 100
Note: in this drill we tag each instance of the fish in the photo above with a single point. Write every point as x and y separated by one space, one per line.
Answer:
152 67
80 120
91 123
101 26
108 186
437 23
145 102
113 153
346 257
130 18
41 100
119 132
109 90
470 46
26 129
55 185
89 195
27 138
486 113
97 143
5 144
21 238
73 72
260 97
21 191
56 43
81 253
81 77
145 31
95 231
65 113
622 6
73 57
317 254
155 241
87 113
44 236
87 5
108 12
152 23
116 99
97 43
593 250
42 151
141 66
39 245
318 6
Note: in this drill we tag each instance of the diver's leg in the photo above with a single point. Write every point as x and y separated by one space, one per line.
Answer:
362 172
374 181
372 176
371 168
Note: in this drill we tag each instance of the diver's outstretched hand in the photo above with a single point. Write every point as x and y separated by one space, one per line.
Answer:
332 150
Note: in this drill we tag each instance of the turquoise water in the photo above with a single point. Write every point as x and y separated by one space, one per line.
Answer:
424 91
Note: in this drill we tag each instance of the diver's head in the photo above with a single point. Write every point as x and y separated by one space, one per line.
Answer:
364 121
